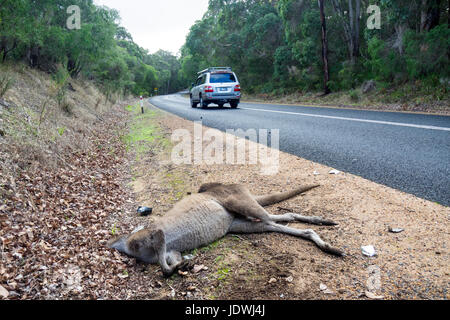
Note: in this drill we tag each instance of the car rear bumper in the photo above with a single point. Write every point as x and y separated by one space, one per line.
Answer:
222 98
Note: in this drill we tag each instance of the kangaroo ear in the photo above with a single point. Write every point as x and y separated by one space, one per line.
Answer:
158 236
207 186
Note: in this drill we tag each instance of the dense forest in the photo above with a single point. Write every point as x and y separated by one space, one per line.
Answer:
36 32
275 46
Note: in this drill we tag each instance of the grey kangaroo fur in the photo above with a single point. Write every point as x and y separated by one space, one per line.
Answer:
204 217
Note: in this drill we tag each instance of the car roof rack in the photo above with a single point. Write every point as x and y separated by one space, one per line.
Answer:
213 69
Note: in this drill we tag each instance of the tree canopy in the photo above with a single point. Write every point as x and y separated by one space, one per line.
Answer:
102 50
276 45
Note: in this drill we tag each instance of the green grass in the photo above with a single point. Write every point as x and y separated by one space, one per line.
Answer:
6 82
146 138
144 135
61 130
212 245
222 273
177 184
114 230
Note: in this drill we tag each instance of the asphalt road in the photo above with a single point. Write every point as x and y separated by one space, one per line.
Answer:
408 152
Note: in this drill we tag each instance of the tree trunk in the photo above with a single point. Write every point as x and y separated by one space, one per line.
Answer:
356 29
354 20
73 67
326 74
351 26
351 18
400 29
33 54
429 14
4 47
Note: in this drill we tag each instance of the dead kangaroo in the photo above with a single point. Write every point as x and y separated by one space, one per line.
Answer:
202 218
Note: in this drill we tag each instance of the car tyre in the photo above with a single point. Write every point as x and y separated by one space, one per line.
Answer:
202 103
234 104
193 104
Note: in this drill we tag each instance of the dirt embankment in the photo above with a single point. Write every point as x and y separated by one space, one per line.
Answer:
61 160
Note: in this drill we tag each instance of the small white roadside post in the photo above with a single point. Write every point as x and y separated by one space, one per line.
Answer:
142 104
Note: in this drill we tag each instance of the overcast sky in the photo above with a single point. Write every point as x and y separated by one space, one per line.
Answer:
158 24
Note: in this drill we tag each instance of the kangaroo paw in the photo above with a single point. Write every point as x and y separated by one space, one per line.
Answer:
324 222
167 273
334 251
314 220
184 265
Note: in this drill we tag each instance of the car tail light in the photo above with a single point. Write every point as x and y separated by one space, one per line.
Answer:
209 89
237 88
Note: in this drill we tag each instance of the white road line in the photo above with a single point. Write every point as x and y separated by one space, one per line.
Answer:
354 119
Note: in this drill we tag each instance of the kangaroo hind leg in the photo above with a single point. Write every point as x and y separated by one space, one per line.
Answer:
243 203
244 226
291 217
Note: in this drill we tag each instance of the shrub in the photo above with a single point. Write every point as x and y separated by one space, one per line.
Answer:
6 82
384 63
353 95
427 53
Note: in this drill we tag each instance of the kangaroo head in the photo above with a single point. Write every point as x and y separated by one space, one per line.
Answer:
118 243
144 244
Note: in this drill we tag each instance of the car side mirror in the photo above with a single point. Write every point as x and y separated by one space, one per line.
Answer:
192 85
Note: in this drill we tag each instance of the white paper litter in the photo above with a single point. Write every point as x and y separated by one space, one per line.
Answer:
138 228
368 251
323 287
334 171
372 295
198 268
396 230
3 292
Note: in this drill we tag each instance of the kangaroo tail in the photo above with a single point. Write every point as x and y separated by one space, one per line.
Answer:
269 199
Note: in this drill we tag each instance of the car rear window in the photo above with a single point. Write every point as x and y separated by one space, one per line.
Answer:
222 77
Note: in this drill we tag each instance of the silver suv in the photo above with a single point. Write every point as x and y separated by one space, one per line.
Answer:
217 85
